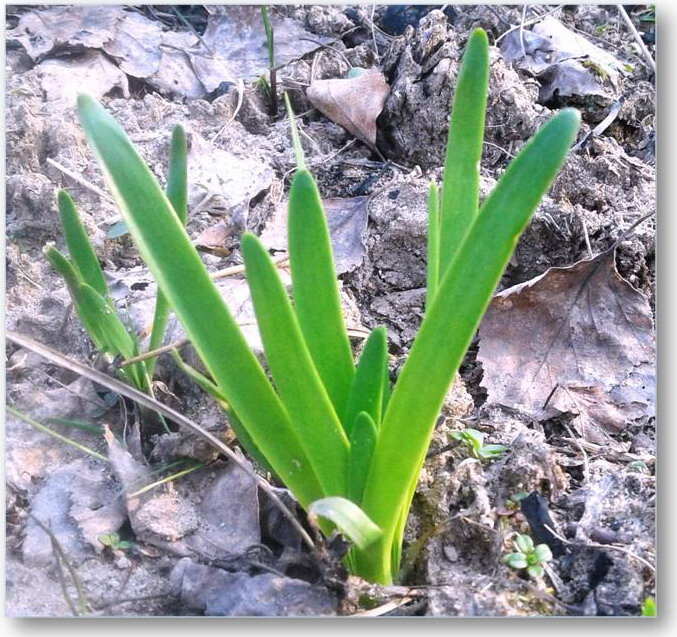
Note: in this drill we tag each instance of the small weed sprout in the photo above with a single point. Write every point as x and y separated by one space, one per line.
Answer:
527 556
475 441
113 542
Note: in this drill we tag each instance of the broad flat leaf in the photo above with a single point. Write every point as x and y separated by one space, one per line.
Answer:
136 44
565 63
583 332
366 392
348 518
347 219
63 79
217 239
353 102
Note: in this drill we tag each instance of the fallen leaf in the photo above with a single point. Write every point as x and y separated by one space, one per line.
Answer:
136 44
347 220
564 62
42 30
216 239
353 102
574 340
237 44
63 80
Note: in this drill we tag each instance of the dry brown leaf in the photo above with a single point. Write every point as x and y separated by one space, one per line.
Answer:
347 219
574 340
353 102
216 239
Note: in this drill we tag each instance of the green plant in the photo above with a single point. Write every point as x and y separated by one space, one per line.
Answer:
270 89
113 541
87 285
649 607
348 447
527 556
475 441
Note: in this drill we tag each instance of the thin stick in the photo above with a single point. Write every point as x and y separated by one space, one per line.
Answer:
638 38
382 610
240 99
171 478
528 23
83 182
146 401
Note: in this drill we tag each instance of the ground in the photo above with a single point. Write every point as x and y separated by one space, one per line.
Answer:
210 541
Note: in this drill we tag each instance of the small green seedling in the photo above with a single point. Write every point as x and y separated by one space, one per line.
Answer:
113 542
348 445
87 285
527 556
475 441
649 607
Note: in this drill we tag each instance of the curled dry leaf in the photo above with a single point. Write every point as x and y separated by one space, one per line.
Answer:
579 340
353 102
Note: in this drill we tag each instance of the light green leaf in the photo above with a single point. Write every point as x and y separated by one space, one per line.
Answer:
460 185
433 243
184 280
315 291
348 518
293 371
366 393
362 442
83 257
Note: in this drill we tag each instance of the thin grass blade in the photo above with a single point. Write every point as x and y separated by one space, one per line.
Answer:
316 295
366 393
293 371
184 280
460 186
446 331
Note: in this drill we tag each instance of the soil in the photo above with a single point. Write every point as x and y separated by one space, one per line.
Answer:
211 542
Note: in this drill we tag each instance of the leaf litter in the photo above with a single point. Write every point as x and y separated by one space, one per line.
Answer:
577 340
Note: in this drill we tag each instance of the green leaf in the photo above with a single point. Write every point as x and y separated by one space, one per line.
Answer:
460 185
536 571
293 371
449 325
348 518
315 290
524 543
184 280
543 553
649 607
295 139
118 229
177 193
433 242
362 442
517 561
82 254
366 393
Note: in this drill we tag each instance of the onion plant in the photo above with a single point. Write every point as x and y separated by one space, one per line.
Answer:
348 445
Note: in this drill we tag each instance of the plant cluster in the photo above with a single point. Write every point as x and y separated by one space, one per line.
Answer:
348 444
527 556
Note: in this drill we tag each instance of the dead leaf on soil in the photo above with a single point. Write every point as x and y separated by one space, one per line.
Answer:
63 80
564 62
216 239
347 220
579 339
353 102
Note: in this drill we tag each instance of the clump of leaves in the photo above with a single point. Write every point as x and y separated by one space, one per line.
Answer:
87 285
114 542
527 556
475 441
348 445
649 607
